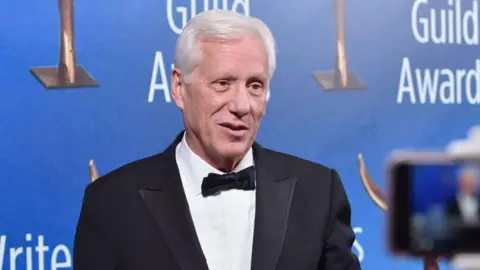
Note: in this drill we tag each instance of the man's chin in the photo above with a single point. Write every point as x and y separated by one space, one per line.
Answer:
234 149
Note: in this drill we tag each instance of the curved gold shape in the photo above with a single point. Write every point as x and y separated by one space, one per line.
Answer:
376 194
93 171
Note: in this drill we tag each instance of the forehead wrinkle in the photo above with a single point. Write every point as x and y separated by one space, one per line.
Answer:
229 68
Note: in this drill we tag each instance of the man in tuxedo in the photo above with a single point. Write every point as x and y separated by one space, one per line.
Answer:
464 208
463 212
215 199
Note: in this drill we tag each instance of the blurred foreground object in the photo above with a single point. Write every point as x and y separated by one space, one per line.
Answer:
468 146
380 198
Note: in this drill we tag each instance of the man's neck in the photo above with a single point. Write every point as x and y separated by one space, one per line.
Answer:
466 195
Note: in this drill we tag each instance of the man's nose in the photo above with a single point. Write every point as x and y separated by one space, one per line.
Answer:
240 103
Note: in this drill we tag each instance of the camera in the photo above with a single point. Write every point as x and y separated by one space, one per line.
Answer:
434 204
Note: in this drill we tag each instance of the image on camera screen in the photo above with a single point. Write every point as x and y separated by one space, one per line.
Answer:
444 207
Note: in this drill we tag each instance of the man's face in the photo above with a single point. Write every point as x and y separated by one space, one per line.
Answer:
225 98
468 183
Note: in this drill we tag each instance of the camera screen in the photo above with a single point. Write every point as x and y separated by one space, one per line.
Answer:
444 207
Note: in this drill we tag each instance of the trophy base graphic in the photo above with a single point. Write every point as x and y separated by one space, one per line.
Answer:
48 77
328 80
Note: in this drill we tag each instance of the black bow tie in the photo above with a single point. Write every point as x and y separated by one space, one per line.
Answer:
243 180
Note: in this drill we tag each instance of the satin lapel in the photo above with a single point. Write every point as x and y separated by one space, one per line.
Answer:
165 198
273 200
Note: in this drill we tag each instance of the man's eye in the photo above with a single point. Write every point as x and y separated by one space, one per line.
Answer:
221 85
256 88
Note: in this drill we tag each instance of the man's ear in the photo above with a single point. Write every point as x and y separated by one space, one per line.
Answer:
178 88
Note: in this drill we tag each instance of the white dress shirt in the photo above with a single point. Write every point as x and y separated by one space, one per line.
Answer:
224 223
468 206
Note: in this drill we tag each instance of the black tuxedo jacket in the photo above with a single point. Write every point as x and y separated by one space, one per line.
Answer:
453 208
463 236
137 218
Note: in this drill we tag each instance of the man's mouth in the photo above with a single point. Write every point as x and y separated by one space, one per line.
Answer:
235 126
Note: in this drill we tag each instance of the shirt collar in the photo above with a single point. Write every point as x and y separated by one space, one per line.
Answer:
195 168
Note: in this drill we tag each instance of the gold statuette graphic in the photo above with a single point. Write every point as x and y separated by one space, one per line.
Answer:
380 199
340 78
67 74
93 171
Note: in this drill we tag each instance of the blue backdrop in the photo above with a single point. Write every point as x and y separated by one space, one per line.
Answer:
422 77
433 185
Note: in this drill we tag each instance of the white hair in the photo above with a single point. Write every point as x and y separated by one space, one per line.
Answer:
221 24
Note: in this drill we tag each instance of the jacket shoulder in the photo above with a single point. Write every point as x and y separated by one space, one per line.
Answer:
125 175
295 164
